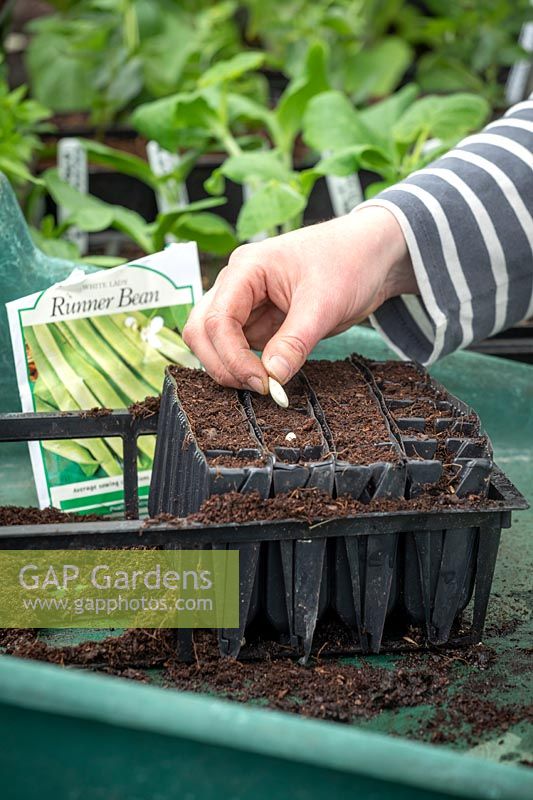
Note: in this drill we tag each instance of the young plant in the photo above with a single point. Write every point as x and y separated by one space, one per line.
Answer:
21 122
101 55
215 117
188 223
468 45
391 138
365 60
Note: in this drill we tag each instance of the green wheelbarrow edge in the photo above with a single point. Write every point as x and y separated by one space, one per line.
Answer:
75 693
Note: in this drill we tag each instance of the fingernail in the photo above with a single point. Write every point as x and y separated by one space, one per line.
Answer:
256 384
279 368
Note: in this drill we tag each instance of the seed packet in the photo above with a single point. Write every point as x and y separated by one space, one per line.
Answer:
101 340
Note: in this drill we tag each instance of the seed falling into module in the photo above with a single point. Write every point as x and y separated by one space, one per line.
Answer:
290 437
278 394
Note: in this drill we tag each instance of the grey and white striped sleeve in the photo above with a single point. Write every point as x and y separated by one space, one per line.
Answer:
468 222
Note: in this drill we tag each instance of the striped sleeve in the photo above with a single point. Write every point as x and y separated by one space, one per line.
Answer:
468 222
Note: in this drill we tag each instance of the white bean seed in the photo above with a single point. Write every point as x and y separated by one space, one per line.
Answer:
278 393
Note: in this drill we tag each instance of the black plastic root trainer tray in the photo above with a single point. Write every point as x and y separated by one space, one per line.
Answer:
367 575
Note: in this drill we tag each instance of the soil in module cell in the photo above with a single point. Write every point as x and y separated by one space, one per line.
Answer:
216 416
352 413
409 395
400 375
294 427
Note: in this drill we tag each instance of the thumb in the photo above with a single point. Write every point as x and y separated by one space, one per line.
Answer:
287 351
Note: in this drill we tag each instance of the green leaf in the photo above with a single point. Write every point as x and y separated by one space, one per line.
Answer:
331 123
57 248
380 117
91 214
241 108
436 73
299 92
447 118
215 184
375 188
125 163
271 205
212 233
166 54
348 160
182 120
59 78
166 221
263 164
376 71
16 172
232 69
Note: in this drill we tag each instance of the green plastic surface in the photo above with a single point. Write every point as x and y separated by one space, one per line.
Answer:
69 734
83 736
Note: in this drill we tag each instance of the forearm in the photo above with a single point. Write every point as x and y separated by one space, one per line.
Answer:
468 223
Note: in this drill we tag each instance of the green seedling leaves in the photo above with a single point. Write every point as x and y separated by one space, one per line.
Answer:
349 160
263 165
55 247
65 86
376 71
436 73
380 117
165 55
241 108
212 233
182 120
331 123
125 163
167 221
446 118
91 214
271 205
293 102
232 69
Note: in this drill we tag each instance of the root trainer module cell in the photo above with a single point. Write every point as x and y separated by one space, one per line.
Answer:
373 500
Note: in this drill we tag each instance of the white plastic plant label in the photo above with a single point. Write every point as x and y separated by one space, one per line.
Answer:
162 162
101 340
73 169
345 193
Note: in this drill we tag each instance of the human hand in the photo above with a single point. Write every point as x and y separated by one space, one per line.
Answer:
284 294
